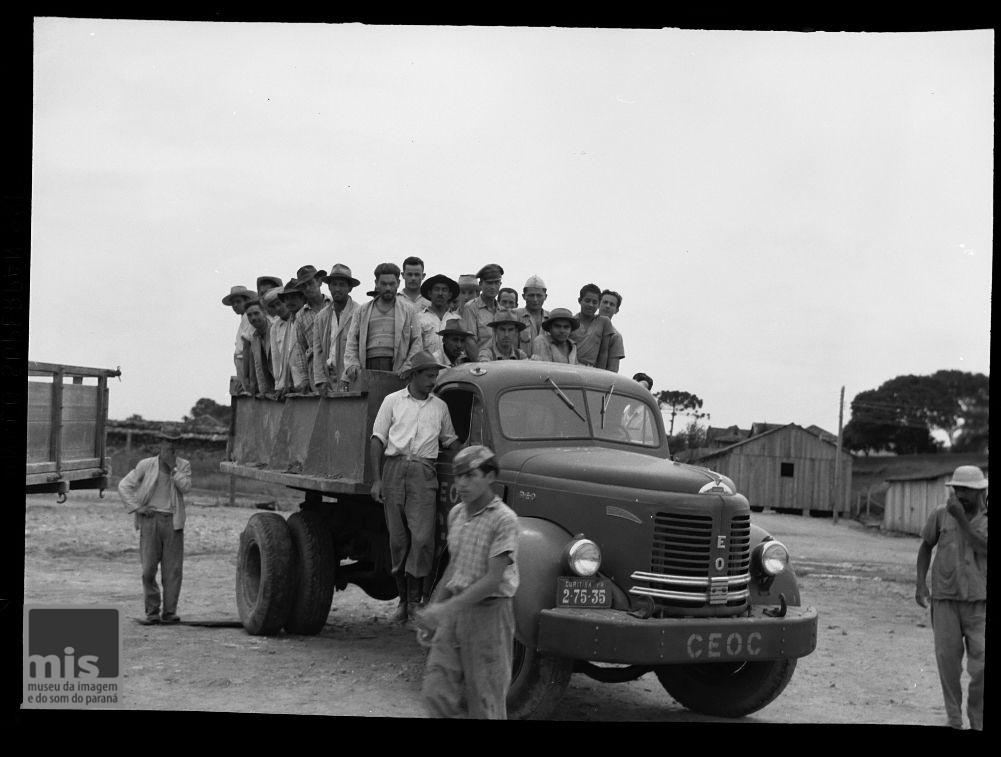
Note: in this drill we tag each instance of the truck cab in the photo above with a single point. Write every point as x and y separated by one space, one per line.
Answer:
629 561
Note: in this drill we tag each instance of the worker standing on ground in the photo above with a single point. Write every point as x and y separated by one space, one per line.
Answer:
154 490
470 620
958 531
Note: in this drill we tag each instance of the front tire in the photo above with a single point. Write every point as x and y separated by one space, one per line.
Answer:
313 567
537 683
263 574
724 689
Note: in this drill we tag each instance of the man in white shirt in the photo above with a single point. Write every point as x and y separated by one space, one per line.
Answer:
154 492
410 427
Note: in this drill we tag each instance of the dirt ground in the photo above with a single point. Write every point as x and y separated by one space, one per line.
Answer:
873 662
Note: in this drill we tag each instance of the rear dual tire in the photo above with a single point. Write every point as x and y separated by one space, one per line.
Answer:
285 574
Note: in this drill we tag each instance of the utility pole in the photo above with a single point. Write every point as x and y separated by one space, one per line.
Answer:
837 460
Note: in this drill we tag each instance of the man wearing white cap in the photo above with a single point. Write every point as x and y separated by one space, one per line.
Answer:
532 315
958 532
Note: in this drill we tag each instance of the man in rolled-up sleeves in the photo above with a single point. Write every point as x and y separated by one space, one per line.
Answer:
409 429
957 531
154 491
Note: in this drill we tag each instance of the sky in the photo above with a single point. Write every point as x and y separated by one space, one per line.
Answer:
784 213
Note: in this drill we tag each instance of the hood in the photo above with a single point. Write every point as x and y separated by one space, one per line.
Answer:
611 467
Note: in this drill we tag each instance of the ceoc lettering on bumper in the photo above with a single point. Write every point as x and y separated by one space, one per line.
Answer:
616 636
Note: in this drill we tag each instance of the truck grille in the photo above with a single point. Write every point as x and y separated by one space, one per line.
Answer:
688 567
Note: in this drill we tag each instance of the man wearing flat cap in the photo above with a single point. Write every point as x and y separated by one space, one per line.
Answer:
438 291
331 329
504 344
957 531
409 429
237 299
384 334
308 281
154 491
477 314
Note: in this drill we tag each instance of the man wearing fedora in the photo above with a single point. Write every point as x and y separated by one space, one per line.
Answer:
308 281
384 334
438 291
957 531
293 299
331 329
453 343
533 314
154 491
237 299
412 425
477 314
504 344
553 344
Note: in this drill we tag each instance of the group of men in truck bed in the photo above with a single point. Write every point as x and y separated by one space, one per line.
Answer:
294 338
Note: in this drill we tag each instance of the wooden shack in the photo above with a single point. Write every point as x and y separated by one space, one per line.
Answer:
912 497
786 468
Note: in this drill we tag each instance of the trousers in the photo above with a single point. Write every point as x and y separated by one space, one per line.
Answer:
957 624
409 491
160 546
468 671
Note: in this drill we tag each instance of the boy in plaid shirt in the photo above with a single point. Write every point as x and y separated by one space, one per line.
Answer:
471 616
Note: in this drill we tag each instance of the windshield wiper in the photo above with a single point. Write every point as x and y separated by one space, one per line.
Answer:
604 403
566 400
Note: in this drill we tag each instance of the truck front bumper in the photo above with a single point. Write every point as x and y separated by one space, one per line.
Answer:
617 637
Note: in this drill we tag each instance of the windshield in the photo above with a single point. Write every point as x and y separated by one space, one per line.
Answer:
577 414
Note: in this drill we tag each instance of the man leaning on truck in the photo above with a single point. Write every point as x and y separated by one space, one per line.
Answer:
408 428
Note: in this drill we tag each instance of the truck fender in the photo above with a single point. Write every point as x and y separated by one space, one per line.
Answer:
784 583
540 549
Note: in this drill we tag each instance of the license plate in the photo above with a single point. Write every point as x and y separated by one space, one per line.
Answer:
582 592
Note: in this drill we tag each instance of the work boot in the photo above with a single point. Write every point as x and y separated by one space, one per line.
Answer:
400 615
426 589
413 596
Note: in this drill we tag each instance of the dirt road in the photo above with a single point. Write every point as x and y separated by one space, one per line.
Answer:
873 662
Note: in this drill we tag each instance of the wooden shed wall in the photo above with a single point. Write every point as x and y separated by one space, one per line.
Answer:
756 468
908 503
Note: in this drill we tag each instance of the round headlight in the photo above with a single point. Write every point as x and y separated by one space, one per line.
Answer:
774 557
583 557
